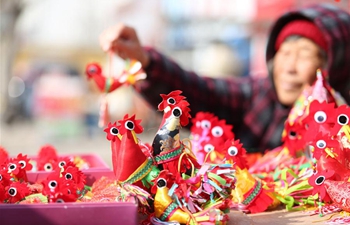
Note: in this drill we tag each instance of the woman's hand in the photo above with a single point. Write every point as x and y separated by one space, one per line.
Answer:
123 40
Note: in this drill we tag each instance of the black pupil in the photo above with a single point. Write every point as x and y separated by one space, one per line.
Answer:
130 125
68 176
22 164
12 167
343 119
53 184
161 183
0 177
321 145
62 163
319 180
320 118
171 101
177 112
233 152
293 133
93 70
115 131
12 191
48 167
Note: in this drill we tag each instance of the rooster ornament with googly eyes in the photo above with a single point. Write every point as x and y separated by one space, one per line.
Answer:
235 153
168 151
168 209
19 166
131 73
132 161
208 137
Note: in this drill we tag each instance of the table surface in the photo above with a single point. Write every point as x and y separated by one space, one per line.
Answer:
278 217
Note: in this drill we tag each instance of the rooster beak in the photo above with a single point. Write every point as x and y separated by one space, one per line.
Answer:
134 136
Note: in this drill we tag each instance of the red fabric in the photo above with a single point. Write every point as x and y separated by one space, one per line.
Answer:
303 28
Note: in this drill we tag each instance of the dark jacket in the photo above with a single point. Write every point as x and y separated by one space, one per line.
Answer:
250 104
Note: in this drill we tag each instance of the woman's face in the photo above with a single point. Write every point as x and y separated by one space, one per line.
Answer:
294 69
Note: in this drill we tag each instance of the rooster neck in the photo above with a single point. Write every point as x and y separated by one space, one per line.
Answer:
167 137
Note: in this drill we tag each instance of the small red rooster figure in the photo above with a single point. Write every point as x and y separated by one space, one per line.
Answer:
236 153
16 192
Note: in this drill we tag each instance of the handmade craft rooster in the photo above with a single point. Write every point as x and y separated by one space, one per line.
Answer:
208 137
168 209
16 191
236 153
133 164
59 189
168 150
105 84
47 158
71 172
19 166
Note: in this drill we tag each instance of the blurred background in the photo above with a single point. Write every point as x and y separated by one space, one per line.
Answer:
45 97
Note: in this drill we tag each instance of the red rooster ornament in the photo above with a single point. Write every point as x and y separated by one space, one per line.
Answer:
106 84
166 145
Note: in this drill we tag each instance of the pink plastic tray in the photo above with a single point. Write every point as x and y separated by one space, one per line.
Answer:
70 213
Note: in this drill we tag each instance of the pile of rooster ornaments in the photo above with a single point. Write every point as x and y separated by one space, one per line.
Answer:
207 174
201 178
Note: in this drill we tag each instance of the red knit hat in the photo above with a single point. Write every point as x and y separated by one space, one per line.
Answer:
303 28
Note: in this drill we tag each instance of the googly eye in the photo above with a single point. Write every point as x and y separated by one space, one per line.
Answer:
93 69
321 144
161 182
320 117
60 200
23 164
12 167
171 101
68 176
177 112
232 151
12 191
217 131
114 131
0 177
52 184
61 164
129 125
205 124
343 119
208 147
48 167
292 135
319 180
